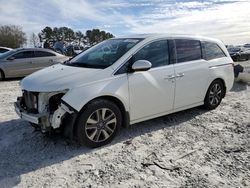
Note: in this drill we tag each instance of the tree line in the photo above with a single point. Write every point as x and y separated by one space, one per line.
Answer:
90 37
12 36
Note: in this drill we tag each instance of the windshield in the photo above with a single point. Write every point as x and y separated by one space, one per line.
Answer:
104 54
6 54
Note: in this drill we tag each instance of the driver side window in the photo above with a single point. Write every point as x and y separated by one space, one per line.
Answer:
155 52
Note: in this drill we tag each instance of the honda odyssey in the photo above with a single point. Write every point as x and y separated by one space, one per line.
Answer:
122 81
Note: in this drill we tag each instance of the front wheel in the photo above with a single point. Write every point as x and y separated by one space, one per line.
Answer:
214 95
1 75
98 123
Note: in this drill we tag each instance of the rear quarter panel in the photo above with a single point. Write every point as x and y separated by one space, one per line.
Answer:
222 68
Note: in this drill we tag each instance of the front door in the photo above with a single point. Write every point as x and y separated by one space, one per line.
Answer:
152 92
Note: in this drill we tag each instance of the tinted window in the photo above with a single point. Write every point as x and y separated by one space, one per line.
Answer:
3 50
213 51
43 54
187 50
25 54
155 52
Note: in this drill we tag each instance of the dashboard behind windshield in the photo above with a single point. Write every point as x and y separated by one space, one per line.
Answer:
104 54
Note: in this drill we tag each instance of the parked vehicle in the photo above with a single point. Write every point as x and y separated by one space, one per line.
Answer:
239 53
247 46
72 50
24 61
138 78
4 49
59 47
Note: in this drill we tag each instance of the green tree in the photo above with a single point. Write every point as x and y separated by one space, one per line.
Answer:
49 35
79 36
95 36
12 36
46 34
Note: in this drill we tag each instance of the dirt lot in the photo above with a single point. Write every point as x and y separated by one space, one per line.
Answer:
193 148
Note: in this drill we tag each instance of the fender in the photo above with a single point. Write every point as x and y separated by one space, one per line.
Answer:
117 87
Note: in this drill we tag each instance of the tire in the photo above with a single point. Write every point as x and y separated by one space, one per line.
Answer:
214 95
238 58
1 75
98 123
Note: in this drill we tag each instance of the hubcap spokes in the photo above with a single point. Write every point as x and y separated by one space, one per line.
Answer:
100 125
215 94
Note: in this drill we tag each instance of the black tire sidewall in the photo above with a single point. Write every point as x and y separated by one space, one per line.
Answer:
1 75
84 115
206 101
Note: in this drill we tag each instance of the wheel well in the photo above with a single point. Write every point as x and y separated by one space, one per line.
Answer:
125 114
2 73
224 85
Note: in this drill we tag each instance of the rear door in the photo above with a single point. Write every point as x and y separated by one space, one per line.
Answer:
152 92
43 59
191 73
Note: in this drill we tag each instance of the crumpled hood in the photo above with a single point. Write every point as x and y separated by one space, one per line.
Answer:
57 78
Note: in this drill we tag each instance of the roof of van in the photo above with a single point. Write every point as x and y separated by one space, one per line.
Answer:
157 35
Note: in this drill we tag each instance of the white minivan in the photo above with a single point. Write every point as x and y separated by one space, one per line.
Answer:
122 81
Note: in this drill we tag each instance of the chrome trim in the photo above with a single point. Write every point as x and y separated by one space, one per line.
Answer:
214 66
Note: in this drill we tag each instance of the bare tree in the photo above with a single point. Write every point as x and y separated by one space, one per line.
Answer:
12 36
34 40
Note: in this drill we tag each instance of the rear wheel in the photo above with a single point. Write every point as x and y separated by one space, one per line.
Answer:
214 95
98 124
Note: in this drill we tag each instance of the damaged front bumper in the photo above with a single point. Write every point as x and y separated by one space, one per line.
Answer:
45 120
30 117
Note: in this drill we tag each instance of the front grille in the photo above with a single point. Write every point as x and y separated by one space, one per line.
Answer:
30 101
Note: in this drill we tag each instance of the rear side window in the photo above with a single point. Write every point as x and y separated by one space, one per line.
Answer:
212 51
43 54
25 54
155 52
187 50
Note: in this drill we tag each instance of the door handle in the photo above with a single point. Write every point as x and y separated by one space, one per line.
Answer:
179 75
170 77
30 62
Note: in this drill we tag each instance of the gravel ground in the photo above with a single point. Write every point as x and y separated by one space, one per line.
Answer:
193 148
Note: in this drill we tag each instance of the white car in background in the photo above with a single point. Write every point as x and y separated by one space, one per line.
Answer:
139 78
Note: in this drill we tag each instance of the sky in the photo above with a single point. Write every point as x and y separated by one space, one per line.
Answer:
227 20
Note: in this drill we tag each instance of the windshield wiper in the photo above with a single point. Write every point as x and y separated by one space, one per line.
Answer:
86 65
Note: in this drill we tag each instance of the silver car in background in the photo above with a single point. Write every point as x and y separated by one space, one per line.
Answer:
24 61
4 49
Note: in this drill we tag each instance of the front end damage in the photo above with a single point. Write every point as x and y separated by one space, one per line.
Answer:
46 110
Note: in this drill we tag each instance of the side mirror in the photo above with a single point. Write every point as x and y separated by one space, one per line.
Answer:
11 58
141 65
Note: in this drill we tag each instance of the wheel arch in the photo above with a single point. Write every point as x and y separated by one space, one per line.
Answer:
1 71
223 82
118 102
113 99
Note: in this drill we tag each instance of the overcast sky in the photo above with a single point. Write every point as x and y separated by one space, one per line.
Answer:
228 20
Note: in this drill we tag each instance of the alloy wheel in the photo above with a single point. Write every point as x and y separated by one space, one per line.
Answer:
100 125
215 94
